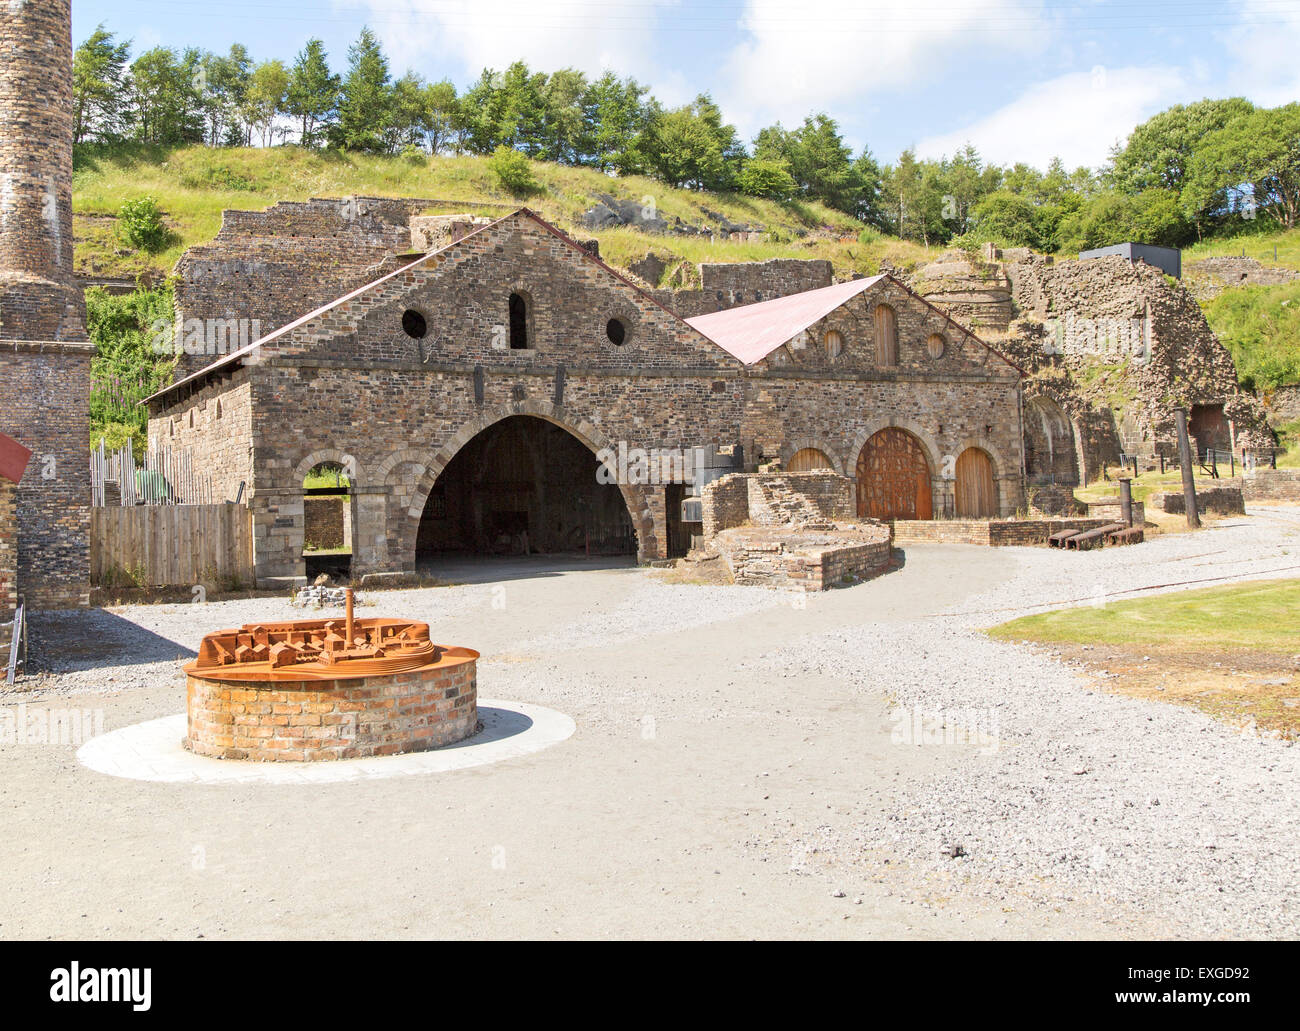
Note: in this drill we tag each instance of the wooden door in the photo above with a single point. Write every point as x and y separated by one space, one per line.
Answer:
894 477
977 496
805 460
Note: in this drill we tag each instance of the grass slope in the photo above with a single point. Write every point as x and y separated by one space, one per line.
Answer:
194 184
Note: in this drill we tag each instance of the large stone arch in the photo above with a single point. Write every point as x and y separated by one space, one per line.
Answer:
933 452
402 536
1051 451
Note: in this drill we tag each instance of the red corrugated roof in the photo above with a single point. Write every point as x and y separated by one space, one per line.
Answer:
754 331
13 458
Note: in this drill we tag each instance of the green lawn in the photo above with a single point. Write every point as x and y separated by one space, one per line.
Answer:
1261 616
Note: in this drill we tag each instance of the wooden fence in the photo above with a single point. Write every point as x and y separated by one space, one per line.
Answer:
171 545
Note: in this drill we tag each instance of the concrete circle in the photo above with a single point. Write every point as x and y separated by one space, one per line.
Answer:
152 751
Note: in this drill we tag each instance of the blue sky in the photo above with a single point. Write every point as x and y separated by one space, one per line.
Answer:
1021 79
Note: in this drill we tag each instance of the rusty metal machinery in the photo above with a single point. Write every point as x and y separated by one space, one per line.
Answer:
328 649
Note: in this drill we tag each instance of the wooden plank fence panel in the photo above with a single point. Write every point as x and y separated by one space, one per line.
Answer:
170 545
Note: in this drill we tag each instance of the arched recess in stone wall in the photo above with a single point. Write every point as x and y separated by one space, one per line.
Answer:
402 537
343 458
934 454
788 451
1050 453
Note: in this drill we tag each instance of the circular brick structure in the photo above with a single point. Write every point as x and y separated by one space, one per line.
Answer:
319 690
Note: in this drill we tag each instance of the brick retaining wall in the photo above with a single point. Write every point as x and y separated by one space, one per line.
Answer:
295 721
988 532
1272 485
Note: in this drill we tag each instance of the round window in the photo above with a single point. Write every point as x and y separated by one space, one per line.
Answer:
616 330
414 324
936 345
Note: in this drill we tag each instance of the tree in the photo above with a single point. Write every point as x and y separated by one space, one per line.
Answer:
444 120
1006 217
565 136
222 88
365 98
265 99
616 118
690 146
313 92
1253 164
761 177
820 162
99 87
166 107
1158 153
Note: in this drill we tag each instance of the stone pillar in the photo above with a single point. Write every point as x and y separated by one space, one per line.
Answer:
656 512
370 531
8 560
278 524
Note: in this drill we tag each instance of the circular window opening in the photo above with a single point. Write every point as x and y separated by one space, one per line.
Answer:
414 324
616 330
834 343
936 345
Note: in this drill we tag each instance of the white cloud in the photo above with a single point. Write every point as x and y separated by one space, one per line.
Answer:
1076 117
476 34
1264 46
827 55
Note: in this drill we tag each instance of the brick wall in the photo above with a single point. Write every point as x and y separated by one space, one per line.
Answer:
43 404
1272 485
773 564
8 560
323 520
989 532
1219 500
725 503
288 721
214 424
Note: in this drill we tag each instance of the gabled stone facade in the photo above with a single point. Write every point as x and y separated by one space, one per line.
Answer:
348 383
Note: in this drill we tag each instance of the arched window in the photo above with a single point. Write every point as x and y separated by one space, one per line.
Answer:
519 319
834 341
886 335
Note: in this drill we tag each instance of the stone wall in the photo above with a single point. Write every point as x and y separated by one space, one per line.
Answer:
987 532
1271 485
800 565
213 423
1209 277
976 293
726 285
725 503
8 561
44 391
1216 500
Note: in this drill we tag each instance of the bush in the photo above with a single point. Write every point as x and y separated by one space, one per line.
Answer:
140 225
770 179
513 171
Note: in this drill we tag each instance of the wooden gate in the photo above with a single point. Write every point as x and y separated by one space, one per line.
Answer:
805 460
894 477
977 496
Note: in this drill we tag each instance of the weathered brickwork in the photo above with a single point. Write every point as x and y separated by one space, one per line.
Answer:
350 385
299 721
39 298
803 562
8 559
214 422
1271 485
44 357
726 285
1214 500
996 533
43 405
324 521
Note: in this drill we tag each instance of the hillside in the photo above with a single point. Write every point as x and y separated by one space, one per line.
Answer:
194 184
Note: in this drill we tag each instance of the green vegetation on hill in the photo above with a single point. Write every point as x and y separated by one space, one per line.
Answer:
1260 326
194 184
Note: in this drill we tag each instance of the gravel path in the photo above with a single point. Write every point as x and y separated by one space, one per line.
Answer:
1154 805
740 769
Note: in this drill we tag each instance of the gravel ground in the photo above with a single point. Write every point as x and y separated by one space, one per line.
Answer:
737 771
1158 806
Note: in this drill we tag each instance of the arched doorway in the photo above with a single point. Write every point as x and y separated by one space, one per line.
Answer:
524 486
1049 444
808 459
894 477
977 491
327 519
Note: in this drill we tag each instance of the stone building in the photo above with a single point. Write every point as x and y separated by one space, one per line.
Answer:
469 390
44 353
